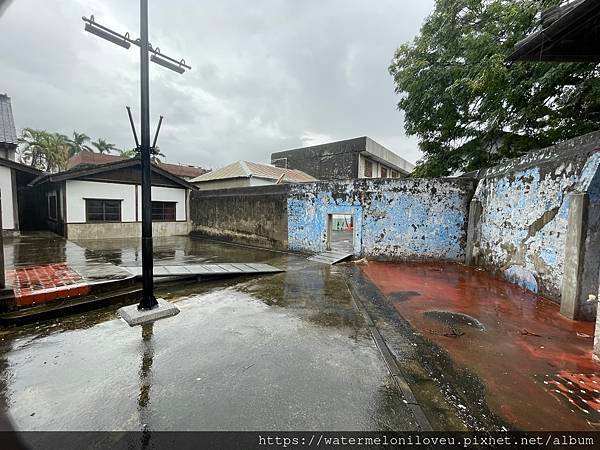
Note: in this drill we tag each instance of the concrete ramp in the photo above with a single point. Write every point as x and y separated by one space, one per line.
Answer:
330 257
191 270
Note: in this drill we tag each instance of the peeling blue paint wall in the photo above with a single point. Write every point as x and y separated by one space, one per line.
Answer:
525 205
393 218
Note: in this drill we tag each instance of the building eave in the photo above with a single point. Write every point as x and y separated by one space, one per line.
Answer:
20 167
102 168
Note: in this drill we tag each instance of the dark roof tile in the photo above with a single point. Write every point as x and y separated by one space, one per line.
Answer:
8 132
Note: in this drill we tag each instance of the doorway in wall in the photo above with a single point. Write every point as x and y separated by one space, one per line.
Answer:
340 233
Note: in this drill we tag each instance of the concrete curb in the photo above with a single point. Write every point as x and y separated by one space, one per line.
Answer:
391 364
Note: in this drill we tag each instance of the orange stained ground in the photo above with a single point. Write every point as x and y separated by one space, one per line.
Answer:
536 365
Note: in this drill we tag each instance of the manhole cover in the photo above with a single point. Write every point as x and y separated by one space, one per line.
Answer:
454 319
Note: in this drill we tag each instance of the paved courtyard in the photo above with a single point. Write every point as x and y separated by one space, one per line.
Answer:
293 351
286 351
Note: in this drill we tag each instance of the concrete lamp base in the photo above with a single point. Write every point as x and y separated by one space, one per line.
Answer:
133 316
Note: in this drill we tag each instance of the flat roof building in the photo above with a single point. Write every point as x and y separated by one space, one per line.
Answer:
360 157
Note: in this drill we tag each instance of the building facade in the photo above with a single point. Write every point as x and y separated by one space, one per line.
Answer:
105 201
14 177
360 157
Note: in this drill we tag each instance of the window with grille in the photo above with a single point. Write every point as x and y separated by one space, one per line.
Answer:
384 172
100 210
164 211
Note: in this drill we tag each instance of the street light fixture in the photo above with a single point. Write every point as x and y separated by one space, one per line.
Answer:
92 27
148 301
161 61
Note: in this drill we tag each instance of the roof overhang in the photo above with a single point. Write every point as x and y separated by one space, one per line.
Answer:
385 162
569 33
19 167
101 168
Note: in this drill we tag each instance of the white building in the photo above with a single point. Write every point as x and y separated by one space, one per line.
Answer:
105 201
14 177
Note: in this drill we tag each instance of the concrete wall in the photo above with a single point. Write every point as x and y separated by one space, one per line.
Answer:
521 211
255 215
331 161
6 188
394 219
82 231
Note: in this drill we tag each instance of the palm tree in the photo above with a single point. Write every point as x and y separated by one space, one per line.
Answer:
44 150
103 146
132 153
155 153
77 143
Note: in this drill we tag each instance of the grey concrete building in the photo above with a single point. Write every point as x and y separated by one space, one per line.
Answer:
360 157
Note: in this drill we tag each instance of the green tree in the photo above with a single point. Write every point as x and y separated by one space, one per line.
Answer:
155 154
43 150
103 146
132 153
468 108
78 143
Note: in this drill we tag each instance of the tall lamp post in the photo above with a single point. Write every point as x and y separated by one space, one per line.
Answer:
148 301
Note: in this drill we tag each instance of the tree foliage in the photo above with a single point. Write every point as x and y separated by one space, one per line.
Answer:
103 146
43 150
467 107
155 154
50 152
78 143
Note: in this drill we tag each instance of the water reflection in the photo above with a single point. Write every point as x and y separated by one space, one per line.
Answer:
145 372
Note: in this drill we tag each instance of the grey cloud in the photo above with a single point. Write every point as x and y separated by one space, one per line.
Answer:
266 75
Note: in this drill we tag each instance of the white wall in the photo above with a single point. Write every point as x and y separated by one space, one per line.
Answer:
8 218
165 194
78 191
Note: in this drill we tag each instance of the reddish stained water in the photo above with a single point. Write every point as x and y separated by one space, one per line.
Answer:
536 365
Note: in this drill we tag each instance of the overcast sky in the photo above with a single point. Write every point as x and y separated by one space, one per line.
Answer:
266 75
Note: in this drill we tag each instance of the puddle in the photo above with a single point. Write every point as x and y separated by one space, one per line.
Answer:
526 340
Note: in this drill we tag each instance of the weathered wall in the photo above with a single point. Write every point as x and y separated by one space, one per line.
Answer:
393 218
331 161
82 231
524 213
254 215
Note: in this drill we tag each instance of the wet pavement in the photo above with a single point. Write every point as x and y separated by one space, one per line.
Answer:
43 267
534 367
286 351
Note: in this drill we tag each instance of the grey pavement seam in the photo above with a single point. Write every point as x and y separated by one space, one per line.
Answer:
391 364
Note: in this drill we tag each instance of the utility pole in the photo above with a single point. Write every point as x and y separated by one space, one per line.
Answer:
148 300
2 275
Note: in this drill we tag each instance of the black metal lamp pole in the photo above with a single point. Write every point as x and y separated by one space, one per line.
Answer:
148 300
